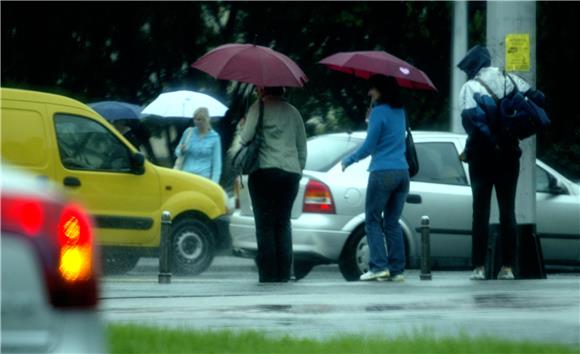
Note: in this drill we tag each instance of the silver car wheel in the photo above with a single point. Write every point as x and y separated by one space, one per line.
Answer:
362 255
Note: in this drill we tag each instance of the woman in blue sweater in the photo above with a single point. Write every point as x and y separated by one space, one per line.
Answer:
388 183
201 147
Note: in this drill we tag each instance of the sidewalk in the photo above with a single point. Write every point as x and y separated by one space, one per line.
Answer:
321 305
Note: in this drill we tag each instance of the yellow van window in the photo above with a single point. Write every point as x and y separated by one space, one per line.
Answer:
87 145
23 138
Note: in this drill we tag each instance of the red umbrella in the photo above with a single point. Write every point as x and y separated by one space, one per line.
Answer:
251 63
366 63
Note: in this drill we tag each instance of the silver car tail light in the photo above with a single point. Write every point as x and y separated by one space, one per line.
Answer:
318 199
62 235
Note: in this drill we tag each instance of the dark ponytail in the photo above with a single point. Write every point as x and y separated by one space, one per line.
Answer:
388 88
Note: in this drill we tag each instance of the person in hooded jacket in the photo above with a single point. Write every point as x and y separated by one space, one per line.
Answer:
493 156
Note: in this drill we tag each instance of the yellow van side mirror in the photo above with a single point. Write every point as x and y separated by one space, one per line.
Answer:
138 163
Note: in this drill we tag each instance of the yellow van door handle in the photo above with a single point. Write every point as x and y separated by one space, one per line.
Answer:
72 182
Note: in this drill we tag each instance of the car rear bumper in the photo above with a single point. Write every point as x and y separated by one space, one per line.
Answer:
313 235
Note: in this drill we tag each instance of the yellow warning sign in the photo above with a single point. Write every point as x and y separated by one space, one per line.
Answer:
517 52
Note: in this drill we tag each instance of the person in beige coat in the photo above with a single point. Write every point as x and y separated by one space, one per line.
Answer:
273 187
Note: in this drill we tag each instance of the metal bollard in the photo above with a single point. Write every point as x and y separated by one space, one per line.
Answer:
425 249
164 249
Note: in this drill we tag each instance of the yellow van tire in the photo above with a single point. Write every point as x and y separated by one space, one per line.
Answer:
192 246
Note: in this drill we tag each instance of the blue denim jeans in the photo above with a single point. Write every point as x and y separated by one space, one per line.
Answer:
386 195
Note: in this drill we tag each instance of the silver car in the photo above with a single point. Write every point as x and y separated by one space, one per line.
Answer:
50 271
328 213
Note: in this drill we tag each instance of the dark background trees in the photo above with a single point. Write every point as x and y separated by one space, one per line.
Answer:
132 51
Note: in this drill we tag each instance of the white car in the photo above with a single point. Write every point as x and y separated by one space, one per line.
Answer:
328 213
50 271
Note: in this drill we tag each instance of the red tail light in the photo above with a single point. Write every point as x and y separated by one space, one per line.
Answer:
318 199
24 215
62 237
75 240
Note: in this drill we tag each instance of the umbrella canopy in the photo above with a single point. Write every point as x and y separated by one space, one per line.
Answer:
366 63
117 110
182 104
253 64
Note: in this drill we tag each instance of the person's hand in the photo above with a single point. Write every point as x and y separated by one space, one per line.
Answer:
463 156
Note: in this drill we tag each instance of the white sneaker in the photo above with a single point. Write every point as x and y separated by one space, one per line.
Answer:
399 278
505 273
375 275
478 274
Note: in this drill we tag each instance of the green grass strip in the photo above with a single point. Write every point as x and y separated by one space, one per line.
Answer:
128 339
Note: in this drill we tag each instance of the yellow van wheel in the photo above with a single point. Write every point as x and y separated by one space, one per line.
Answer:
192 245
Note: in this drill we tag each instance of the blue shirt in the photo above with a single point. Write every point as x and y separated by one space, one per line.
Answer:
203 155
385 140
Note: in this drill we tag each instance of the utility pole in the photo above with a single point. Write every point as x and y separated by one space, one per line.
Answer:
458 48
511 40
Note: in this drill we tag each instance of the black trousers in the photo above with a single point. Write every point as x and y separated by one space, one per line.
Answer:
504 177
273 192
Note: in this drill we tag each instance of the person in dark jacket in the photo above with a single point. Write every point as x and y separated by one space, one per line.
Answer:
493 156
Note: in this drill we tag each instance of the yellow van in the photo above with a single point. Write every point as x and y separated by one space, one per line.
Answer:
64 140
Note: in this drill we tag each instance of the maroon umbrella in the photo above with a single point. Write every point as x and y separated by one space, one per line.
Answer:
366 63
251 63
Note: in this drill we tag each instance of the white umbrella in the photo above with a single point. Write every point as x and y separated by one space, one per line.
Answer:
183 104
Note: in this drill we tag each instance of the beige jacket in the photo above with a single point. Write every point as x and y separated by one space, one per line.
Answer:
284 144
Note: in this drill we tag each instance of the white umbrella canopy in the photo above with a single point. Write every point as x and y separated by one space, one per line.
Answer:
182 104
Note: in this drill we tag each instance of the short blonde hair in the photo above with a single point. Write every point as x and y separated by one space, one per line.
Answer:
202 112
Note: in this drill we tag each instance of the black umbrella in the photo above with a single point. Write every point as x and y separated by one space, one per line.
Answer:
117 110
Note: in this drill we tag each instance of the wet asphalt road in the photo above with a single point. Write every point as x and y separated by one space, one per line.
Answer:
228 296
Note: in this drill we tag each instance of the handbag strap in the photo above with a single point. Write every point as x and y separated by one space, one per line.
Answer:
188 135
488 89
491 93
258 129
512 80
260 119
408 126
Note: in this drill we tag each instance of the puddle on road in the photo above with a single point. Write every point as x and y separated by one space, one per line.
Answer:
487 301
274 308
510 301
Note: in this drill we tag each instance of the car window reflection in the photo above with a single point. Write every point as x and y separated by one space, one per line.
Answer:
86 145
324 152
439 163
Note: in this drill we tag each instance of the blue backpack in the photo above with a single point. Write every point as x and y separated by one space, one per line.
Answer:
520 114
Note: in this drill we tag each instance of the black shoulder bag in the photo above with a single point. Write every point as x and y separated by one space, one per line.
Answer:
410 151
247 159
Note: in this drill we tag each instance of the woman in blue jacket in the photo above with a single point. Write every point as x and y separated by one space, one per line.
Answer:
388 183
201 148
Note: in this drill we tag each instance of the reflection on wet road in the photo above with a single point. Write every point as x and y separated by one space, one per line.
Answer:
323 304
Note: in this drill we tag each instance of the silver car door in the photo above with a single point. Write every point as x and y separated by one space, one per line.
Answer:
557 217
445 197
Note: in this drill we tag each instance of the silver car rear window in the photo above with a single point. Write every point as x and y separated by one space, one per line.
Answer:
326 151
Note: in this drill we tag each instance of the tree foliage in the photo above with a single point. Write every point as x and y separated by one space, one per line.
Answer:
133 51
